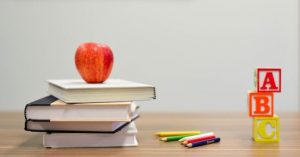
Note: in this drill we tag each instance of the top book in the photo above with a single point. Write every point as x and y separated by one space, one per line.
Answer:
112 90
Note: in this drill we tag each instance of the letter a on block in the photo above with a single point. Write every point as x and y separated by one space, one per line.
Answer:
261 104
268 80
266 129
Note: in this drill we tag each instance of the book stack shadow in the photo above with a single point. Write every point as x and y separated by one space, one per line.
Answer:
78 114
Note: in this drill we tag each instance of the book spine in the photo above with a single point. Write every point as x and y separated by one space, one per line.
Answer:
25 112
154 91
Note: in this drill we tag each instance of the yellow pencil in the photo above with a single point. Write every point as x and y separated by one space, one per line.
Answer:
176 133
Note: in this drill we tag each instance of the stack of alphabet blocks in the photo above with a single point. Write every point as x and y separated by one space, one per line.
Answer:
266 124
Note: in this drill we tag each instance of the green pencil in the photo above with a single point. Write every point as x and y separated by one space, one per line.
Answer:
174 138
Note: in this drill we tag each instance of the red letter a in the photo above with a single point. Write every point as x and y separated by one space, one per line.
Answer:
269 79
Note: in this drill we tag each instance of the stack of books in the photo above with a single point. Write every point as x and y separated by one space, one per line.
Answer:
78 114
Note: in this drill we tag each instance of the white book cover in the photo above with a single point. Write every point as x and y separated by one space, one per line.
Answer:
110 83
123 138
112 90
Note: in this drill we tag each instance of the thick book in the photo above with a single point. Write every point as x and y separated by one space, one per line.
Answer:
122 138
52 109
112 90
77 126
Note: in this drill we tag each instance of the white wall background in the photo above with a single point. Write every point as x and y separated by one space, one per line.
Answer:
200 54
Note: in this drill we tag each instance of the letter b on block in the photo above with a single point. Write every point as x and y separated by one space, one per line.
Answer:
261 104
266 129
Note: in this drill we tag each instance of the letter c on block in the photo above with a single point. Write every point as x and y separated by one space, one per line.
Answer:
262 129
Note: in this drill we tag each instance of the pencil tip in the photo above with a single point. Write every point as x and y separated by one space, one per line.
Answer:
163 139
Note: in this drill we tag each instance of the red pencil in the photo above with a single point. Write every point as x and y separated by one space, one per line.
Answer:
198 139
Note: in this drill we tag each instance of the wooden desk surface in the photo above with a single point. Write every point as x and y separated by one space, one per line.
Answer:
233 128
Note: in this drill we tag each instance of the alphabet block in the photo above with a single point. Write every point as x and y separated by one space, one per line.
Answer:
266 129
261 104
268 80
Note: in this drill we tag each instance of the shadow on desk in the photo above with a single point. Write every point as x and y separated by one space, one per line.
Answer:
33 141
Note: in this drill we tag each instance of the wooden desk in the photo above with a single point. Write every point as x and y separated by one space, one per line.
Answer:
233 128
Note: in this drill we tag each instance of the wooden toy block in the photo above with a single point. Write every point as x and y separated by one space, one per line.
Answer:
266 129
268 80
261 104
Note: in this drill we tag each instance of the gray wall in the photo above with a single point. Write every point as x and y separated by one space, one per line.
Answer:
200 54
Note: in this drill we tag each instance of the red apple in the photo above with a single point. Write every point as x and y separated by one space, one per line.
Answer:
94 62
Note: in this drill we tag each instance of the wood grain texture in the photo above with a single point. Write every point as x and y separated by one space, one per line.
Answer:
233 128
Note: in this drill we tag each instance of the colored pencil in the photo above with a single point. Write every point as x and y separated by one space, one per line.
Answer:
198 139
197 136
205 142
177 133
173 138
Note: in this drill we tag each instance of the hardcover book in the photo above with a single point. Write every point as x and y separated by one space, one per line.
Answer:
112 90
54 110
79 127
124 137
